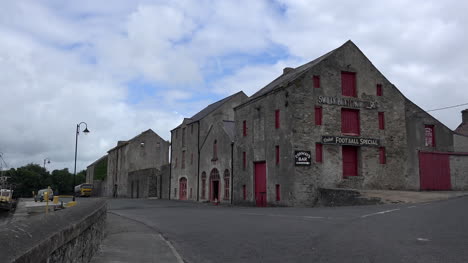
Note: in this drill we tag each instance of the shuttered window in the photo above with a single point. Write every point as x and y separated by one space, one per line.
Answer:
244 128
318 115
203 185
429 136
379 90
348 84
382 156
381 121
316 80
350 122
226 184
318 152
278 192
277 119
350 160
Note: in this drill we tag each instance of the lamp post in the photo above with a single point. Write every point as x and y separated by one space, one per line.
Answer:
46 160
76 150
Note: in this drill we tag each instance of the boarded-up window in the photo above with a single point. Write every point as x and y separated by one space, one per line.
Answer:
379 90
244 192
318 152
348 84
429 136
318 115
316 82
382 156
350 160
381 121
277 119
350 122
244 128
278 192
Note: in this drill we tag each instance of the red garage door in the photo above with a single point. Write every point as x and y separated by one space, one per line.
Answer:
350 161
260 184
434 171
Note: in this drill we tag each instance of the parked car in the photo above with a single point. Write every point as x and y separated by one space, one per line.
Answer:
40 195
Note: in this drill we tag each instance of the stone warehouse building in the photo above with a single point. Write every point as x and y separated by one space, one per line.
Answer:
338 122
201 153
136 164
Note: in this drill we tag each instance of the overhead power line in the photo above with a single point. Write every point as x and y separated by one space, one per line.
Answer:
449 107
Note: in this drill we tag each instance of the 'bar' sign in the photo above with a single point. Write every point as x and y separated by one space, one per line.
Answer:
302 158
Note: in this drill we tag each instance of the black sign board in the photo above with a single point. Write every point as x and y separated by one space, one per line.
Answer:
355 141
302 158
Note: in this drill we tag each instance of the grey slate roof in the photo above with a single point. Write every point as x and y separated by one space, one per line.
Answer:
123 143
210 108
289 76
98 160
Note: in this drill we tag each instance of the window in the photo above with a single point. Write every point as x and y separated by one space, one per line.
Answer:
382 157
381 121
215 150
191 158
203 179
183 160
316 80
278 192
244 160
348 84
379 89
183 137
244 192
244 128
277 119
318 152
318 115
350 122
429 136
277 151
226 184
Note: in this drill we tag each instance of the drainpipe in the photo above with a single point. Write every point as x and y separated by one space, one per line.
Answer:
198 161
170 169
232 170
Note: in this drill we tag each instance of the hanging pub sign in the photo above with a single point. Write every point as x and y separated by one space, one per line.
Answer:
352 103
302 158
354 141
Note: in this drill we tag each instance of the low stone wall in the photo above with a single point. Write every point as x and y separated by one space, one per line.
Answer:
70 235
343 197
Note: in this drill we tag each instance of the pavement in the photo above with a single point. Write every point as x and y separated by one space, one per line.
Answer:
141 230
411 197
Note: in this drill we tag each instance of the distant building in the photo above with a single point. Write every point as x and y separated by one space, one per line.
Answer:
132 164
460 139
96 173
201 150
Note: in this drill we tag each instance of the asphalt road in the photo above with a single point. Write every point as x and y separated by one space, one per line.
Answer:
426 232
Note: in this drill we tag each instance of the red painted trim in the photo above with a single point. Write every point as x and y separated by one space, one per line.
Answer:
382 155
318 152
277 151
244 160
318 116
244 128
381 121
446 153
316 80
278 192
277 119
379 90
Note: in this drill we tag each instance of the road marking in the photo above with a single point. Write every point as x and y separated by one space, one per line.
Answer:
422 239
291 216
380 213
174 251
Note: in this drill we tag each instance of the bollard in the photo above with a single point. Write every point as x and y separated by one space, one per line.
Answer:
46 196
56 199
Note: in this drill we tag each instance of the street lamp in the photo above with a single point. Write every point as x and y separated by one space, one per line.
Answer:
46 160
76 150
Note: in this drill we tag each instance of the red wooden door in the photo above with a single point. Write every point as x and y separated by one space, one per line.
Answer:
260 184
349 161
434 171
183 189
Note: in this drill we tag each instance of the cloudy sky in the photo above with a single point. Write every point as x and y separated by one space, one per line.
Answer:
126 66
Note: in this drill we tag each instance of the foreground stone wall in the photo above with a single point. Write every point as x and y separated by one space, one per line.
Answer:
70 235
459 171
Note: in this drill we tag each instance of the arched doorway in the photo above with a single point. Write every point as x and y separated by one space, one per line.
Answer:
183 189
214 185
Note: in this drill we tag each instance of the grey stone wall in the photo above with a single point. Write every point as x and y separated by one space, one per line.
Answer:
145 151
70 235
459 171
460 143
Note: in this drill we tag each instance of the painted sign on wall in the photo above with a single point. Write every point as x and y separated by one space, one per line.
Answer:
302 158
354 141
352 103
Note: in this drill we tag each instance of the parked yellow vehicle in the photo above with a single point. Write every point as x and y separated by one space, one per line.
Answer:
83 190
6 199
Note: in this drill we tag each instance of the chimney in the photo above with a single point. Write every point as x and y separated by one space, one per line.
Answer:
465 116
287 70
